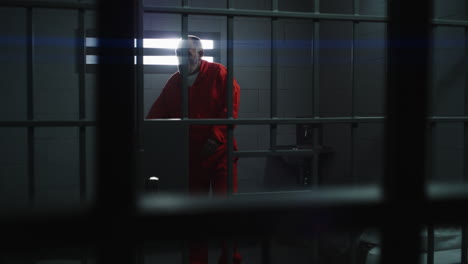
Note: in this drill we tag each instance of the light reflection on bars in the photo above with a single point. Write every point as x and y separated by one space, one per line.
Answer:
149 60
156 43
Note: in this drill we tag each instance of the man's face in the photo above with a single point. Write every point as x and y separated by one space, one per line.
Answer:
194 56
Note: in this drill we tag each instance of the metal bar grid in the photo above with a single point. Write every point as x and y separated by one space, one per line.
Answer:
464 121
262 13
212 11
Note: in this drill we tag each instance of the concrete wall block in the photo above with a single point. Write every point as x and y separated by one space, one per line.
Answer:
336 167
252 47
455 9
252 78
13 168
336 6
13 66
162 22
296 5
249 101
449 70
373 7
370 88
57 166
208 3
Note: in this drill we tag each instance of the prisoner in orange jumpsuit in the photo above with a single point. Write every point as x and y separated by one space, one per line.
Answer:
207 94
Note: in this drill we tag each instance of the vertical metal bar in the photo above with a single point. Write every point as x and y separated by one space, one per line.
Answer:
430 244
30 101
185 99
185 113
408 62
316 98
230 128
230 65
354 126
139 87
464 245
316 106
82 111
316 69
266 251
273 78
431 159
139 16
116 197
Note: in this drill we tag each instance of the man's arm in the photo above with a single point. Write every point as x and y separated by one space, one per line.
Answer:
159 108
219 132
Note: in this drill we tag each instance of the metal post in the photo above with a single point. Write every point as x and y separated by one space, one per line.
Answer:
30 101
116 198
408 61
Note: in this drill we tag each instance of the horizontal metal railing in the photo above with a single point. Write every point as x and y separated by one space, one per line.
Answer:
45 4
49 123
247 214
228 12
285 121
240 121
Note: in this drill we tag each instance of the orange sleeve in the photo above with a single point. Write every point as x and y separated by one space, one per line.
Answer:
160 109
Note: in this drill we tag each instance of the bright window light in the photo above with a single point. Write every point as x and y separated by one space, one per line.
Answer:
160 43
91 42
153 43
166 60
156 43
149 60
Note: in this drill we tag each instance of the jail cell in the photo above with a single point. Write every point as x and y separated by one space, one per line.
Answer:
350 122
